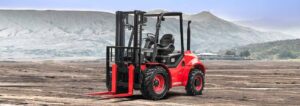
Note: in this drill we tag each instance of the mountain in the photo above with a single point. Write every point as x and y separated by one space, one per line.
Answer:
283 49
291 26
51 34
205 16
217 34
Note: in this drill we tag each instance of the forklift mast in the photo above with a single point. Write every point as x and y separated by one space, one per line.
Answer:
135 37
123 55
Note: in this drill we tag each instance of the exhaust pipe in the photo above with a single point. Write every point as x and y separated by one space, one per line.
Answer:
189 35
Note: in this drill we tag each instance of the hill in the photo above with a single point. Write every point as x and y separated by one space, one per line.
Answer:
284 49
50 34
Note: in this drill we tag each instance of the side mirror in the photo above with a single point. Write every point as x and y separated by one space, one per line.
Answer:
129 27
163 19
145 19
126 19
189 22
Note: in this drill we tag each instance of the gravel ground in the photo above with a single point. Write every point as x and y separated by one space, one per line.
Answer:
228 83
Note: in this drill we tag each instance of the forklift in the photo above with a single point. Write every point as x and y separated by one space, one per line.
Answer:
148 61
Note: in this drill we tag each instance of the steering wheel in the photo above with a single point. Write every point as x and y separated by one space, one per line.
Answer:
150 39
150 34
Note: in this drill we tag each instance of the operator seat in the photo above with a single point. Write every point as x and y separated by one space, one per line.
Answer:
165 50
166 45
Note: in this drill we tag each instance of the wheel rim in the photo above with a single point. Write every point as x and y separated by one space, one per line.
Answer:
198 82
158 84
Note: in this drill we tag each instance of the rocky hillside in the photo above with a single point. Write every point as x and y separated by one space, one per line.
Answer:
50 34
284 49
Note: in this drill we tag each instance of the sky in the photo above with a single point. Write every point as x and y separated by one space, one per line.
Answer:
266 13
231 9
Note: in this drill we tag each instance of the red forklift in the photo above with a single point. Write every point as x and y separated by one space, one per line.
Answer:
149 62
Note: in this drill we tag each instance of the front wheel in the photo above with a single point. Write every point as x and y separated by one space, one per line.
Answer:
155 83
195 83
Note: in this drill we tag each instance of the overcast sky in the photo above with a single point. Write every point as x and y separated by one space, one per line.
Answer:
228 9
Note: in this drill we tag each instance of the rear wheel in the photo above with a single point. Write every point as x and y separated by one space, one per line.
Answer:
195 83
155 83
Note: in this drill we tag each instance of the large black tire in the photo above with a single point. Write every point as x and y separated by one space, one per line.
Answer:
152 79
195 83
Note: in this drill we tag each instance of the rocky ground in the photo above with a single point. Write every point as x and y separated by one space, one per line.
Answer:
228 83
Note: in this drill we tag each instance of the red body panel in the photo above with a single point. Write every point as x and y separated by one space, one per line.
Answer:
179 74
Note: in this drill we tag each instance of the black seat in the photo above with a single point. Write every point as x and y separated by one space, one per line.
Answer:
166 45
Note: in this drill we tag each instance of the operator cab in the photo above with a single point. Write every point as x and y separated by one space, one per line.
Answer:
168 43
149 38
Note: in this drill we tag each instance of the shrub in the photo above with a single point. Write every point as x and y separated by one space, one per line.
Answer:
230 52
245 53
287 55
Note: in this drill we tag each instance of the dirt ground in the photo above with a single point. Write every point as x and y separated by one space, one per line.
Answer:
228 83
